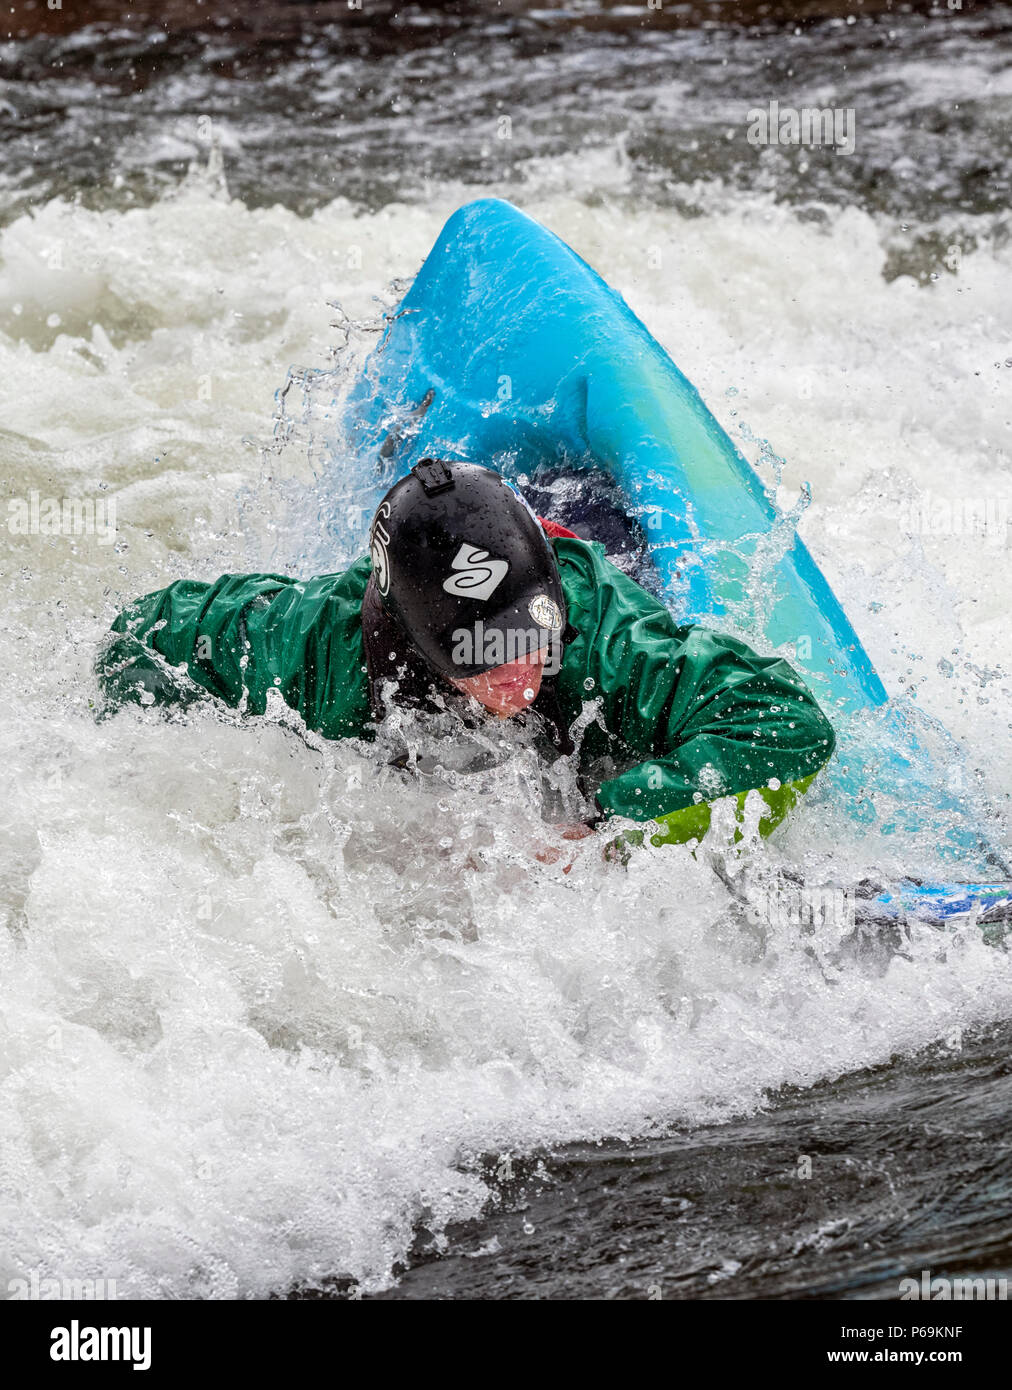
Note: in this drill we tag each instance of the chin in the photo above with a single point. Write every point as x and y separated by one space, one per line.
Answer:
507 711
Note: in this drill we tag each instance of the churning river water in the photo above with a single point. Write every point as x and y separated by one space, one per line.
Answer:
277 1018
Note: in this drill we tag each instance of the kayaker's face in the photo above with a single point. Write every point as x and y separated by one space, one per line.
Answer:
509 689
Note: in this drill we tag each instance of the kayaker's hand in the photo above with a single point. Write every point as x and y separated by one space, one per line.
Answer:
551 854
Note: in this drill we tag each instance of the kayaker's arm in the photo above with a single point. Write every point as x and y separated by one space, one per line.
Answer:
709 716
736 721
243 636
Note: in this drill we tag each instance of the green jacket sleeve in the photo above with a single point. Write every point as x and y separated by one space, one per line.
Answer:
243 636
698 714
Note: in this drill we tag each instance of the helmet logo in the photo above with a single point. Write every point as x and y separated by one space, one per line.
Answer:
545 611
378 550
477 575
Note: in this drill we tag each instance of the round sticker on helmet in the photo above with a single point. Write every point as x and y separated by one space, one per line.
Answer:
545 611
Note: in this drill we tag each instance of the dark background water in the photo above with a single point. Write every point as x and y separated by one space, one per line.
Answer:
317 101
911 1163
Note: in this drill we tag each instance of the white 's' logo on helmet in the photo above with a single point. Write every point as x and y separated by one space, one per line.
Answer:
477 575
378 550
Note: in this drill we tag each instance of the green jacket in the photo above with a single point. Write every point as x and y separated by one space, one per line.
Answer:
689 714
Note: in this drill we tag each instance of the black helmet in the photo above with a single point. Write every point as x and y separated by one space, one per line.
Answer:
462 563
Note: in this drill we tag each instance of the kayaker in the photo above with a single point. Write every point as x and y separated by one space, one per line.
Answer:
469 600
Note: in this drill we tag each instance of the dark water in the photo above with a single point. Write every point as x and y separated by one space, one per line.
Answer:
911 1163
314 102
908 1168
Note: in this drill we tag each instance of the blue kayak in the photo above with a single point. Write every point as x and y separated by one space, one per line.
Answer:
510 350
